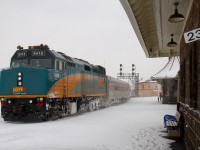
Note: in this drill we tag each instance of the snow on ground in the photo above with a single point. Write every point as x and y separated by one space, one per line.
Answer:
135 125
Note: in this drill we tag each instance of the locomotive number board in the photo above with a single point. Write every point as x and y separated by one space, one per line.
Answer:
21 54
38 53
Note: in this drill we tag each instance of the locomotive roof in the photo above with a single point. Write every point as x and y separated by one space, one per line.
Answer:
77 60
68 58
112 79
59 55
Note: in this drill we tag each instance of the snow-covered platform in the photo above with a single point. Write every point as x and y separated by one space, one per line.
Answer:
137 124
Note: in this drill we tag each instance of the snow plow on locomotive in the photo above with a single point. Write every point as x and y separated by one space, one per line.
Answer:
42 84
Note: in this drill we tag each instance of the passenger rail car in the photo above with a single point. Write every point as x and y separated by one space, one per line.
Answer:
43 84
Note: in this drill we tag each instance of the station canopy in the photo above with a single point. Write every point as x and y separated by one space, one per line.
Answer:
150 20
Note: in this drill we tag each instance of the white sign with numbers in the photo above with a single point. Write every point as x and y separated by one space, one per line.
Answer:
192 36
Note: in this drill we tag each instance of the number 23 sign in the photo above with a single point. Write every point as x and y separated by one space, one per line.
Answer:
192 36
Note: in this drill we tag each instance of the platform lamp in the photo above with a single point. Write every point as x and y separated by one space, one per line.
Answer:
176 17
172 43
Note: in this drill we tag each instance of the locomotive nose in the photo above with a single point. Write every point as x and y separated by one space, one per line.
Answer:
22 81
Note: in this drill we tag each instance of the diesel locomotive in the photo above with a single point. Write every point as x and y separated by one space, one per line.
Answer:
42 84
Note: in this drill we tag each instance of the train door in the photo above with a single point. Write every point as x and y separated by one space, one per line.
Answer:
83 85
60 72
107 86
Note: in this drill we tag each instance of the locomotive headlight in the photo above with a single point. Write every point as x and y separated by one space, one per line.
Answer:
31 101
19 79
19 83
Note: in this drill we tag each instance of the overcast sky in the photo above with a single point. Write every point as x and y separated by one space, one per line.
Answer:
95 30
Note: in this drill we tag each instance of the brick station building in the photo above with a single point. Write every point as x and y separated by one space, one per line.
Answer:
148 88
168 28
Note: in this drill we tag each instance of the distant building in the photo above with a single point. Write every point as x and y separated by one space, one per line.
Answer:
148 88
168 78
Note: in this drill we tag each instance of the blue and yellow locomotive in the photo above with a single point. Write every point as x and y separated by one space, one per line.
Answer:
43 84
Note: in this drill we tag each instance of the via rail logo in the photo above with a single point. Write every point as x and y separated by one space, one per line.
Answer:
19 90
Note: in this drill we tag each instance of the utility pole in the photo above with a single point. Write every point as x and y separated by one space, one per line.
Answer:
133 77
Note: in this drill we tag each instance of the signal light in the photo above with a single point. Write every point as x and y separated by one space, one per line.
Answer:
133 69
120 69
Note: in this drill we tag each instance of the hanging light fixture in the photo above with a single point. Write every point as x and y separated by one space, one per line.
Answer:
176 17
172 43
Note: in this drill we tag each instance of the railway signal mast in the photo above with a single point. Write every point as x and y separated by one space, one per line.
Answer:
133 77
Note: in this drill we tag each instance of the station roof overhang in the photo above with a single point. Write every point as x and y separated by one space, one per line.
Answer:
149 18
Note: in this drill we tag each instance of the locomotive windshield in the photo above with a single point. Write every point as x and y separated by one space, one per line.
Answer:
41 63
38 63
18 63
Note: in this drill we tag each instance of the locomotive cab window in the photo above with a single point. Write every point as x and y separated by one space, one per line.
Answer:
59 65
